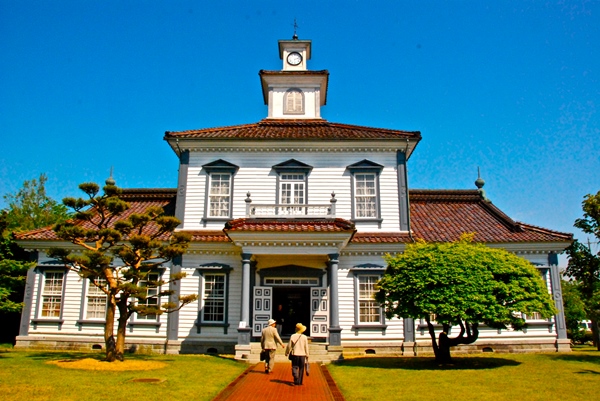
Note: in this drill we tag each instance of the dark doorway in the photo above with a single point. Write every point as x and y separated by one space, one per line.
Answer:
291 305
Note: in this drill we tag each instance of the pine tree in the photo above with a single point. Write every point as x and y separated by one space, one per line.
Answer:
121 250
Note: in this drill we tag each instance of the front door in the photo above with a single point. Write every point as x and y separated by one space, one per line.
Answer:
291 305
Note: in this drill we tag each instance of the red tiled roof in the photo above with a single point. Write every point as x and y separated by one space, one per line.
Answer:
443 215
436 216
297 129
139 201
290 225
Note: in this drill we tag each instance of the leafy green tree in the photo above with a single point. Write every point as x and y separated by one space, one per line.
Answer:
584 264
120 251
12 272
32 208
462 284
574 310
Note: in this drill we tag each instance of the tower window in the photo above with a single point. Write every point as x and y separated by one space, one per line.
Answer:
294 102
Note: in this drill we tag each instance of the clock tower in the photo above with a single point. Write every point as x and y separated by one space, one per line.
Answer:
294 92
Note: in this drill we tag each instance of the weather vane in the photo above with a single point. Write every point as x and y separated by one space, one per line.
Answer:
295 37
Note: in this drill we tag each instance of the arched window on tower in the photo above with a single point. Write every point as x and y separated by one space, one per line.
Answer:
294 102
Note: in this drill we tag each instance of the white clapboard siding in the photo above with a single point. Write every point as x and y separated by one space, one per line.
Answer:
189 314
256 176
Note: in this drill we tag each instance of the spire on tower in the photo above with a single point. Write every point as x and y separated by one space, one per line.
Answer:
295 37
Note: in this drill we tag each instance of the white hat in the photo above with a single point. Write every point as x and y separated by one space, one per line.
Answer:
271 322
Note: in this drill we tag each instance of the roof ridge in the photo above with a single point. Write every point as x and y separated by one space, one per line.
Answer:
544 230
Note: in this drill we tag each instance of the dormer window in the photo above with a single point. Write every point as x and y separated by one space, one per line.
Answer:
294 102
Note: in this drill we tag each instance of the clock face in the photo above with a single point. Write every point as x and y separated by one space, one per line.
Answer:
294 58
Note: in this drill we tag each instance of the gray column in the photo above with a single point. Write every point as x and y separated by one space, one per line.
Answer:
559 318
245 327
335 337
175 286
27 303
403 201
184 161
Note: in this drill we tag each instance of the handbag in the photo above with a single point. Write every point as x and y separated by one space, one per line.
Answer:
307 369
263 355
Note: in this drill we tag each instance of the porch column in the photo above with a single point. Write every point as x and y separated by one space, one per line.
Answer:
562 343
335 337
175 286
244 327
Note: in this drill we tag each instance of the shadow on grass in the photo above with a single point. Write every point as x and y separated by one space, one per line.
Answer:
576 357
429 363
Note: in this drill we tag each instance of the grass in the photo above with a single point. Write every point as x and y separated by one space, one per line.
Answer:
26 376
561 376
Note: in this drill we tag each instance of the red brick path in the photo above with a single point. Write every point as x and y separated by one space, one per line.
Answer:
255 385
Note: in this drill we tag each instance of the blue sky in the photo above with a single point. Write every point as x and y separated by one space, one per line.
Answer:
511 87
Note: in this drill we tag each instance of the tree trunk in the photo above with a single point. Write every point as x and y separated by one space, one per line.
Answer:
595 334
443 355
109 327
122 328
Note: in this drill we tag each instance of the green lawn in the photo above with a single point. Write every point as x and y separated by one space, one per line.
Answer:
497 377
25 376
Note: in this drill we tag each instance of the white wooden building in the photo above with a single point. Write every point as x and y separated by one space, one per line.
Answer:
290 218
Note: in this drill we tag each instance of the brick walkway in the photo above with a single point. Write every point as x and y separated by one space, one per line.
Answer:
255 385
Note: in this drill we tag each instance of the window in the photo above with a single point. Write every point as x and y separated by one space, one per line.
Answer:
52 294
95 300
292 192
220 195
214 289
365 195
533 316
213 298
152 298
365 190
369 310
219 189
292 178
368 314
294 102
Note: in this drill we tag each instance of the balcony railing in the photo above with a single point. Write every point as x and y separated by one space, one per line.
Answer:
290 211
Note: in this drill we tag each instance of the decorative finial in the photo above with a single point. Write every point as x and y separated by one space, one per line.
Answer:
110 180
479 183
295 37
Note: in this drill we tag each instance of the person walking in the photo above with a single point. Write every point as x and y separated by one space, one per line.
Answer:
268 343
297 350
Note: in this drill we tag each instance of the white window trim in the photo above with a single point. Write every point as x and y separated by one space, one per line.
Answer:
294 92
211 180
358 272
43 271
366 167
213 269
85 297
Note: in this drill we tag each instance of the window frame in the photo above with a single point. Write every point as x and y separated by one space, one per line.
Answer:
365 167
223 198
42 272
85 305
213 269
291 166
359 272
139 320
218 167
286 98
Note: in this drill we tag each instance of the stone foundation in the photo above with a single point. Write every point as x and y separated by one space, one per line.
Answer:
320 352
